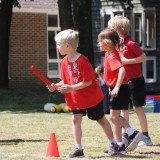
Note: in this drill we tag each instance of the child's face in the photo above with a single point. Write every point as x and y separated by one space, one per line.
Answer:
104 44
62 48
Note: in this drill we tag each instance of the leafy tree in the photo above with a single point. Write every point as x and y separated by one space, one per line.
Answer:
5 22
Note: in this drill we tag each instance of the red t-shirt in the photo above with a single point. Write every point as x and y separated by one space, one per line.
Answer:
112 63
80 71
132 50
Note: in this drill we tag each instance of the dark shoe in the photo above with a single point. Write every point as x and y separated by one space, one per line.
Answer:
121 150
75 153
112 150
133 141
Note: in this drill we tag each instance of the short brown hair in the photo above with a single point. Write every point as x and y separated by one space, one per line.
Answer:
109 34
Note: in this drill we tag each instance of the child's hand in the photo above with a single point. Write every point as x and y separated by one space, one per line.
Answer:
124 60
52 88
65 88
114 92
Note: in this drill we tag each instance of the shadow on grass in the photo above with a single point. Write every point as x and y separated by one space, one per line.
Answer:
16 141
27 100
151 152
156 145
120 156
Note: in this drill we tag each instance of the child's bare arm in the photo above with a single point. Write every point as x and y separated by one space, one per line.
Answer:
120 78
139 59
68 88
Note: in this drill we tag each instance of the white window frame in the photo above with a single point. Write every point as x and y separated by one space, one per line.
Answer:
110 12
144 69
142 11
50 73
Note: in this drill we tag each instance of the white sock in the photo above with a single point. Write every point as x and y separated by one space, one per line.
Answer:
112 141
120 144
78 146
129 131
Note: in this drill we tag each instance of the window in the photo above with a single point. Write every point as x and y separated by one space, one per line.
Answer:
107 14
53 67
149 70
52 21
144 30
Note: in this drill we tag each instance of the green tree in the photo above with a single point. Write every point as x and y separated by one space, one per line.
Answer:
5 22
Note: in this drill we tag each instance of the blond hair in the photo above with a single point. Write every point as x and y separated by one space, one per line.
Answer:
69 36
120 23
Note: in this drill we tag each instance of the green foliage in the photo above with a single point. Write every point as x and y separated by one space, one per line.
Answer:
129 4
14 3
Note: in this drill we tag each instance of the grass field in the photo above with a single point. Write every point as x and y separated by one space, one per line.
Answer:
25 129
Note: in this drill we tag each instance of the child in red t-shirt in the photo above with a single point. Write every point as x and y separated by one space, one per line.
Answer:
83 94
131 57
117 81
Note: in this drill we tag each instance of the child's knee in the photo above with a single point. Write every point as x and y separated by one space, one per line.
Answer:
76 119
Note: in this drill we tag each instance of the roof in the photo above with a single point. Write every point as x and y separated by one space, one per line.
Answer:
41 4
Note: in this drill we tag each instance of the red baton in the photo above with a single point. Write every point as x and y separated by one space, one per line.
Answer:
40 75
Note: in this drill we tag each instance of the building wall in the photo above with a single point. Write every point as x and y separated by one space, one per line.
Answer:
28 46
28 42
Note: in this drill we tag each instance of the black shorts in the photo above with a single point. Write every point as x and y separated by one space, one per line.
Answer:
121 101
138 91
94 113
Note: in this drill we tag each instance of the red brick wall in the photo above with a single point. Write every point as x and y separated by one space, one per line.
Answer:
28 46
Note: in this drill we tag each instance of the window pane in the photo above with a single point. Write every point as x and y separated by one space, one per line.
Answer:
52 51
106 19
149 29
117 13
150 69
52 21
138 28
53 68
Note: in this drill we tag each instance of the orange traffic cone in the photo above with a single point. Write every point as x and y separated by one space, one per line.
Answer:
52 150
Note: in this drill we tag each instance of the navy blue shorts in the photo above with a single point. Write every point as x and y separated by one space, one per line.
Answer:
94 113
138 91
121 101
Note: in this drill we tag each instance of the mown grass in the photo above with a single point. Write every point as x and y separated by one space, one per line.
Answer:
25 129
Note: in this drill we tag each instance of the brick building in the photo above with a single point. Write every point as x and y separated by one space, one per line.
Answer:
32 42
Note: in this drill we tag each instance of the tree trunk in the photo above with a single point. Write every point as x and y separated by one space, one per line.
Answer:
83 22
65 13
5 22
76 14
